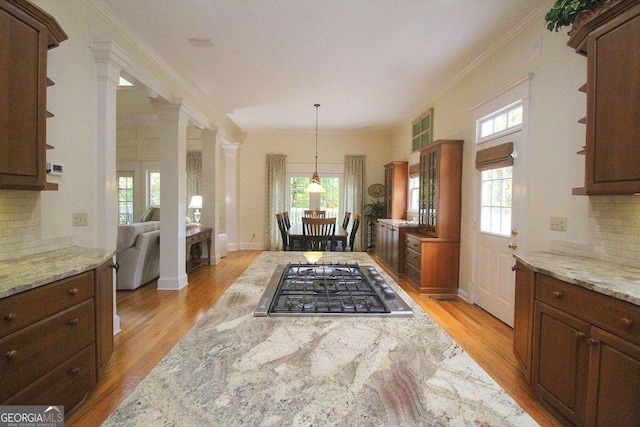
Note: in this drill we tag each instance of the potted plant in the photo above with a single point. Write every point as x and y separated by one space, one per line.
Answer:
375 210
566 13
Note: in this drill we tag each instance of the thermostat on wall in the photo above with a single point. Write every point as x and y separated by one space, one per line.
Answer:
55 168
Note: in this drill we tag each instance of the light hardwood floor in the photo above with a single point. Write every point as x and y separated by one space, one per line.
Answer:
153 322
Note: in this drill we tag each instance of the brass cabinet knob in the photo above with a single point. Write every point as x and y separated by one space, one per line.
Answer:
512 246
580 335
73 291
557 294
11 354
10 317
73 322
514 268
626 322
592 342
74 371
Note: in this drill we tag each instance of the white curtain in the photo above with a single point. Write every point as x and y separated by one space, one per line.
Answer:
354 182
276 193
194 178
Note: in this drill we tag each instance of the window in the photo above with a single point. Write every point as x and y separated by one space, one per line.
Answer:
501 122
414 193
300 199
125 197
495 214
153 188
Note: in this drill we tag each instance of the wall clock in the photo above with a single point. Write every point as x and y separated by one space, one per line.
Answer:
376 190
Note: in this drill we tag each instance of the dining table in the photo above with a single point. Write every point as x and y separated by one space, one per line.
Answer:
297 237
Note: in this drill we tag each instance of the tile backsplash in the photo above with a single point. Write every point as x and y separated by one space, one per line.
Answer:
20 226
614 231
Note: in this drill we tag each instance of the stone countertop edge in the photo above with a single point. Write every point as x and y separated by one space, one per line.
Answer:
29 272
615 280
398 222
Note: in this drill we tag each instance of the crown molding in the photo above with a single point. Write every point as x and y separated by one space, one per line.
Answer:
128 33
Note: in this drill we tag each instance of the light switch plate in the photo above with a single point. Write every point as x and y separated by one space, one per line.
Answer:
558 223
79 219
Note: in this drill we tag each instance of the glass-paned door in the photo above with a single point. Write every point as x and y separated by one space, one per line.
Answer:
125 198
495 208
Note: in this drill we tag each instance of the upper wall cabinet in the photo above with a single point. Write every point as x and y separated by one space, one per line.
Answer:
611 42
27 33
396 184
422 130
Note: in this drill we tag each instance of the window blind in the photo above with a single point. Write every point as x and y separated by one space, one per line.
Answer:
499 156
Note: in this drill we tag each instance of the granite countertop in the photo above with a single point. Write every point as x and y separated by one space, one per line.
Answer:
398 222
618 281
234 369
25 273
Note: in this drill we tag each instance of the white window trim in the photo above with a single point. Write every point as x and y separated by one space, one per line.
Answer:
494 114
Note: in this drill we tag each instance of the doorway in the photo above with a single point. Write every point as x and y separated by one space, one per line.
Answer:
500 202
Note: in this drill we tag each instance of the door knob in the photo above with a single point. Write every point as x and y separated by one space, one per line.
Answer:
513 246
514 232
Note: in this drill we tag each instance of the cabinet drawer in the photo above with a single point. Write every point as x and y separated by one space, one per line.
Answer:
66 385
412 273
23 309
31 352
618 317
413 243
412 257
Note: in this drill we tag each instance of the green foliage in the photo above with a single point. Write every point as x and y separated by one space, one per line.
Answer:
563 13
375 209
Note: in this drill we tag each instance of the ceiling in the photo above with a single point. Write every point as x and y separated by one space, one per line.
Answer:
370 64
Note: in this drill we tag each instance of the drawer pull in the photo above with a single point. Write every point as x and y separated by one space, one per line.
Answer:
592 342
73 322
11 354
514 268
626 322
10 317
557 294
73 291
580 335
74 371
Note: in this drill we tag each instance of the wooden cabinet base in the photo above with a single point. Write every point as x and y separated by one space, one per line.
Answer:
438 269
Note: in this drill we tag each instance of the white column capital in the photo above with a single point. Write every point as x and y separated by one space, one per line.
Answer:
111 60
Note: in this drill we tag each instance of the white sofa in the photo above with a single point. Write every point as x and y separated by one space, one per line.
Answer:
138 254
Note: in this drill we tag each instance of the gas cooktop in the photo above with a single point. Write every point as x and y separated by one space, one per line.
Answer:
336 289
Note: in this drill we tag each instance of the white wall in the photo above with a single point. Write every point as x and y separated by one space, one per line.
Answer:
554 136
299 148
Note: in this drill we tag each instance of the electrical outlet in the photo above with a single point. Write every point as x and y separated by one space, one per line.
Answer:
558 223
79 219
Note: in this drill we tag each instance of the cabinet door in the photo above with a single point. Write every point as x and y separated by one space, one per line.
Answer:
104 314
22 100
394 249
613 108
523 317
560 361
614 380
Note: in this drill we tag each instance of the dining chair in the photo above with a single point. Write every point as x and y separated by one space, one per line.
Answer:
354 230
314 214
319 233
287 222
283 231
345 221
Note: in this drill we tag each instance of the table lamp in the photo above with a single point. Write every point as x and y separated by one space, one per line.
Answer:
196 203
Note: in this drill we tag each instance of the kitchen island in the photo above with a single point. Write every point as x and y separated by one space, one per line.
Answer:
236 369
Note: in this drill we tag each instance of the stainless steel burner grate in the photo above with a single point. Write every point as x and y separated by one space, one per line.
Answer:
329 290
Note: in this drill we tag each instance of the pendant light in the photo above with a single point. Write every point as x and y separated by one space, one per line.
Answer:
314 186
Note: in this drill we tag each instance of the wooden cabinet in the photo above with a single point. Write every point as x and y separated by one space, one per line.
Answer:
610 42
388 244
585 350
27 33
431 264
56 339
441 189
396 187
523 317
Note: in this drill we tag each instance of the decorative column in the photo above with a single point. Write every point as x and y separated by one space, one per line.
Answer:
110 60
173 166
209 190
231 191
